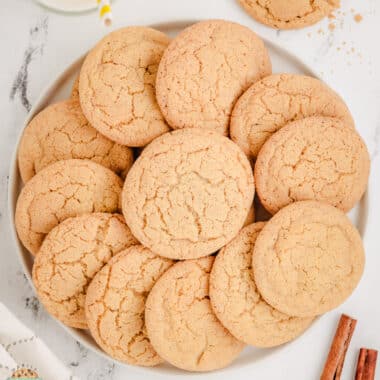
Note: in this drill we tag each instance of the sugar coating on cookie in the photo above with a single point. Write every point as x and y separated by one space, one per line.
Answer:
307 259
314 158
115 305
60 191
275 101
70 256
188 193
250 218
61 132
237 302
181 324
117 85
285 14
205 69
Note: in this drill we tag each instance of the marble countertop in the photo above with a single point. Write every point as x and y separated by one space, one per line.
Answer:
37 44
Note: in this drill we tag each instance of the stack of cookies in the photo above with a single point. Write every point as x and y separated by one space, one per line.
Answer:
139 193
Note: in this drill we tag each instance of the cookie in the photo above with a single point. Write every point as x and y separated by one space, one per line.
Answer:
307 259
285 14
188 193
117 85
237 302
60 191
204 71
75 90
61 132
250 218
70 256
275 101
181 324
115 305
314 158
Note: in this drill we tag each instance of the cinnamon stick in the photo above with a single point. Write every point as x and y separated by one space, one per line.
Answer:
365 369
335 359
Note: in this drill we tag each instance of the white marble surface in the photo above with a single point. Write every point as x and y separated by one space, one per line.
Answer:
37 44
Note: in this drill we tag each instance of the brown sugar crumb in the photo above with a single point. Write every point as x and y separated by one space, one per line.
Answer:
358 17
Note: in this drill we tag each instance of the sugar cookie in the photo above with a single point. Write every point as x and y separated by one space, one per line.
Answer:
117 85
70 256
237 302
307 259
314 158
62 190
188 193
61 132
275 101
285 14
205 69
115 305
181 324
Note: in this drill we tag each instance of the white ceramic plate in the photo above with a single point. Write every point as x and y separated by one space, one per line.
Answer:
60 88
69 5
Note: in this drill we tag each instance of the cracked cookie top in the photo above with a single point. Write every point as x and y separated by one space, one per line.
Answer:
307 259
188 193
275 101
285 14
61 132
117 85
181 324
70 256
62 190
115 305
314 158
237 302
205 69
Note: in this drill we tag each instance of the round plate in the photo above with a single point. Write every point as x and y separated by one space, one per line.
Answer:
69 5
282 61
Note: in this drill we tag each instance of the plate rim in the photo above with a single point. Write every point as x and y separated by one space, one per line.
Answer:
13 172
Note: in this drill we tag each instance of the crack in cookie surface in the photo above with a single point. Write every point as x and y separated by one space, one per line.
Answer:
237 302
307 259
188 193
115 305
181 324
117 86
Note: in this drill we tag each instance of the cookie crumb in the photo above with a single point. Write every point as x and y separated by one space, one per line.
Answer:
332 27
358 18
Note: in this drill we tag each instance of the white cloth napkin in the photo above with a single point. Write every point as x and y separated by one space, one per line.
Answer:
21 348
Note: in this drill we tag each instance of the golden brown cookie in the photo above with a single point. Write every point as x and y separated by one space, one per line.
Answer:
70 256
115 305
237 302
307 259
205 69
61 132
188 193
275 101
60 191
285 14
117 85
181 324
315 158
